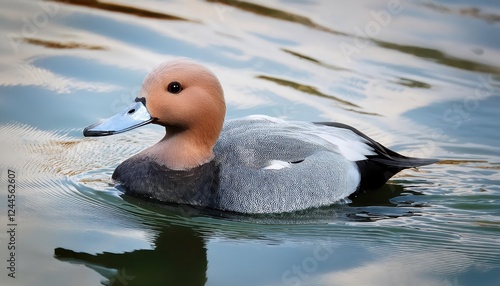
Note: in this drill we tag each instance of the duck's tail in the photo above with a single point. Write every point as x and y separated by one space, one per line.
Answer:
378 168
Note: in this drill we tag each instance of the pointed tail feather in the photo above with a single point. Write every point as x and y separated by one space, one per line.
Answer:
404 162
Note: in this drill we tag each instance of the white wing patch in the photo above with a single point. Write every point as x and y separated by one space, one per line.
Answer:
277 165
350 149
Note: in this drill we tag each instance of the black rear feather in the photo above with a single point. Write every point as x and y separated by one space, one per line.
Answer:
377 169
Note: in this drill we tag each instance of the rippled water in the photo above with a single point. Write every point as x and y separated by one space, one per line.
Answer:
420 77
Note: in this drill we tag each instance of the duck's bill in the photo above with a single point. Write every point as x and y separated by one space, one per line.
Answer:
135 115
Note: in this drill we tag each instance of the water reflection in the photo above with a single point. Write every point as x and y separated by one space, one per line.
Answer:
413 83
61 45
313 60
474 12
305 88
179 253
115 7
276 14
178 257
424 73
181 238
440 57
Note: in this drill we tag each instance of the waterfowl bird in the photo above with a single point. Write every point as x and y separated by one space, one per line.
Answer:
256 164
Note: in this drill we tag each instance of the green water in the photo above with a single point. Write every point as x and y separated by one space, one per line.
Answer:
422 78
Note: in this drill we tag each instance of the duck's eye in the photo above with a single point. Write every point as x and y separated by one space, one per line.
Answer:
174 87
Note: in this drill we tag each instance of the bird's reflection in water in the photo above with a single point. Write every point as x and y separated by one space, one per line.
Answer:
179 256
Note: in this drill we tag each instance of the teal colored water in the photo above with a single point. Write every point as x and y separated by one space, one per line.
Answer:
422 78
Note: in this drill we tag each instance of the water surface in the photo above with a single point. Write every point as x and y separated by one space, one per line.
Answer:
422 78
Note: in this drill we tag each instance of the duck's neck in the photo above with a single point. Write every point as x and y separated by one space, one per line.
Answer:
183 149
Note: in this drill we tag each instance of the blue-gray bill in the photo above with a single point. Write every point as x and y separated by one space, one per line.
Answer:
135 115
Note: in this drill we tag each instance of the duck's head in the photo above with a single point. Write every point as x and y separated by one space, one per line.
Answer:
181 95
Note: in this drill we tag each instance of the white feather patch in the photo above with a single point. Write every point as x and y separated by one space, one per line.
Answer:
277 165
350 149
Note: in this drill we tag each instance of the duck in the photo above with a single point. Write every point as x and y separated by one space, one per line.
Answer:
254 165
